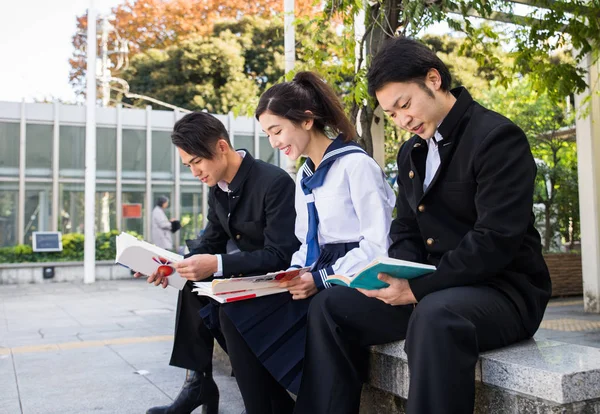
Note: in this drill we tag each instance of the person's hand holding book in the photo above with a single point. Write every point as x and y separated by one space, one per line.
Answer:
300 287
157 278
197 267
397 293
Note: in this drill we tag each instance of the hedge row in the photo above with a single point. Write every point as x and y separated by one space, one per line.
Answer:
73 248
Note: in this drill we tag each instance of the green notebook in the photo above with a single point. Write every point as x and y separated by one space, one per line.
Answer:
367 277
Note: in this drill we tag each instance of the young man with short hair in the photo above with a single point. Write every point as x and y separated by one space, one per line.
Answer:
465 198
250 203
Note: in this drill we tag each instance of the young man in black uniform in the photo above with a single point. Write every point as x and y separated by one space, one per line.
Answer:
250 203
465 199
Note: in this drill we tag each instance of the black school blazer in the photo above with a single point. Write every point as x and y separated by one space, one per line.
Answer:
258 214
475 221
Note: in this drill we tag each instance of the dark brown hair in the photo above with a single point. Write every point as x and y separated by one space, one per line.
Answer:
307 92
402 59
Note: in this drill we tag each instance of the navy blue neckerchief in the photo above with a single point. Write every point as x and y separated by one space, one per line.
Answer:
312 179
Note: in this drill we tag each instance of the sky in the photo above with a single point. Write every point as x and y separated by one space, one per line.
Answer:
35 47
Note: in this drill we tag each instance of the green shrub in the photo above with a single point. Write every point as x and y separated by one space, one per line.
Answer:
73 249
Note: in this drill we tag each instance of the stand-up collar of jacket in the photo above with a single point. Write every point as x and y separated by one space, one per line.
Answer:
241 174
463 102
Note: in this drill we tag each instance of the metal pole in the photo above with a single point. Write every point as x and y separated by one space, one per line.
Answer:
89 261
359 32
149 201
119 183
104 71
289 46
22 159
55 168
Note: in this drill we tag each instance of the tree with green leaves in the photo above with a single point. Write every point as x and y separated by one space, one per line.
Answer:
548 126
158 24
198 73
557 26
228 69
262 44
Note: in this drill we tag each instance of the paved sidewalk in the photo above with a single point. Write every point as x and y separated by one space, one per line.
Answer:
70 348
565 321
103 348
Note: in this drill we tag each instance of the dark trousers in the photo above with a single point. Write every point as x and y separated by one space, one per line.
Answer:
261 393
444 334
193 343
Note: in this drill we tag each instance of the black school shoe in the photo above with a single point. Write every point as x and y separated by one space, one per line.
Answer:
198 389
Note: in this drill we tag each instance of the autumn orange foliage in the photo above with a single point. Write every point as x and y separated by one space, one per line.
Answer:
150 24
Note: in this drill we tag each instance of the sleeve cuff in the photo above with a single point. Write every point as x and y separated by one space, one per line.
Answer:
421 286
320 277
292 267
219 272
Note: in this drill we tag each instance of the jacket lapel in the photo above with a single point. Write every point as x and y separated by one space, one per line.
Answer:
418 156
236 186
447 130
445 149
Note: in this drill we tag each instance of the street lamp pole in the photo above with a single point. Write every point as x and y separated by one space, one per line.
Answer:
289 46
89 256
105 71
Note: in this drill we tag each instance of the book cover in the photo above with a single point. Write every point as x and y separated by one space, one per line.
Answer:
205 289
249 287
146 258
367 277
255 282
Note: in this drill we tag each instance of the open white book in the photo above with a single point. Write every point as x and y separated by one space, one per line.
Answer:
146 258
249 287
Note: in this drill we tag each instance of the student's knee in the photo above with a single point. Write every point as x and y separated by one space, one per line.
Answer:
224 321
322 306
434 318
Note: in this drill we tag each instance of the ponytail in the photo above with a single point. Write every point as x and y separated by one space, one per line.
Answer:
307 92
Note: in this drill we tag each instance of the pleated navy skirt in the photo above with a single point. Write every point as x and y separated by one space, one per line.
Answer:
274 326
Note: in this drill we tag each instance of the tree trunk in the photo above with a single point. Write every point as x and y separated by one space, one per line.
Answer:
377 17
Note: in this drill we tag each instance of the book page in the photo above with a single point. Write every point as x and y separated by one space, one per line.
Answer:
146 258
270 280
205 289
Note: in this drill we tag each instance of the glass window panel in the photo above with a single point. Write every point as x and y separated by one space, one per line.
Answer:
106 152
245 142
38 152
9 149
267 152
71 201
38 208
162 155
9 199
106 212
167 191
191 213
134 194
72 207
72 151
134 153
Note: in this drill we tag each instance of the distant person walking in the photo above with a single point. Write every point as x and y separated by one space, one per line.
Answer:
162 227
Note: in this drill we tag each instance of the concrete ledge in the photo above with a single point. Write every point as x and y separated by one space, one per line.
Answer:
529 377
22 273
